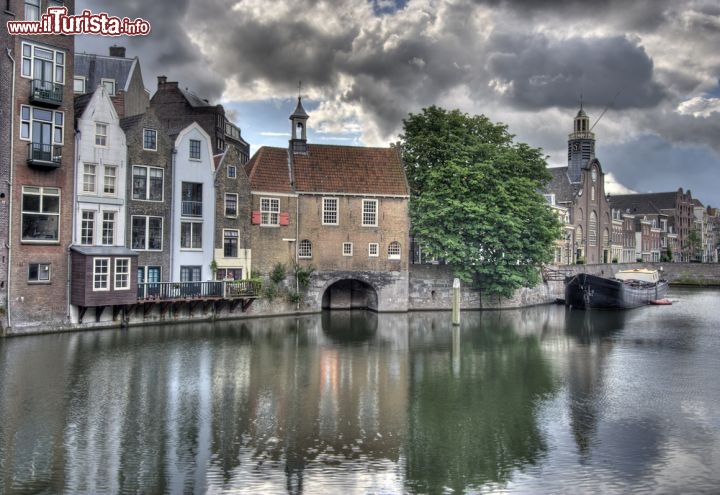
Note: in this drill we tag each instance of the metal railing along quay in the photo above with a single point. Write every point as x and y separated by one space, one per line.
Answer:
175 291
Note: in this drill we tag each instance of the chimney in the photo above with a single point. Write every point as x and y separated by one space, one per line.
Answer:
117 51
162 80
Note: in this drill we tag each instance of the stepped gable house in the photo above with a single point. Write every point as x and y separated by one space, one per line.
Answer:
341 210
580 187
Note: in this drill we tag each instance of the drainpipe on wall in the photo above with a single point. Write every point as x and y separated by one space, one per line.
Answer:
75 216
10 191
297 245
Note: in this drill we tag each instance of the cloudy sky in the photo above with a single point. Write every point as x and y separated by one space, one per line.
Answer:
653 65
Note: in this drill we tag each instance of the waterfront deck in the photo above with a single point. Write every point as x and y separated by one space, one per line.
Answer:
171 297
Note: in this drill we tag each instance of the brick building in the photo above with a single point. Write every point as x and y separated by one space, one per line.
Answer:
674 214
177 108
580 187
37 170
341 210
149 178
232 218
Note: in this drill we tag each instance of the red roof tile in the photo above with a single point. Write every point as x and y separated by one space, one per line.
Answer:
268 170
330 169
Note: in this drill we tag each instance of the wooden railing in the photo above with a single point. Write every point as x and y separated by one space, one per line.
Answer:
172 291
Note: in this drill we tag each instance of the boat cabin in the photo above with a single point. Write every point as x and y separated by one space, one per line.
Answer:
641 274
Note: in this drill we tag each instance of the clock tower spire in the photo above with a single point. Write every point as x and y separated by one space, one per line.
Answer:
581 146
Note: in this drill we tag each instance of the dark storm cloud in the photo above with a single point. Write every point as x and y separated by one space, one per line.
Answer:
284 52
167 50
546 72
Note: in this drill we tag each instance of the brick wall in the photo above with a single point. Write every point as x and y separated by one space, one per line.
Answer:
327 240
162 159
44 304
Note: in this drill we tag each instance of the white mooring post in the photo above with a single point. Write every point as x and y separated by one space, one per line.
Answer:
456 302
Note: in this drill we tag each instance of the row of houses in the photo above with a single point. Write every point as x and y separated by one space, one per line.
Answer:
602 228
113 201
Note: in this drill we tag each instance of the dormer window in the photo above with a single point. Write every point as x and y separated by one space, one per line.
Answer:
109 85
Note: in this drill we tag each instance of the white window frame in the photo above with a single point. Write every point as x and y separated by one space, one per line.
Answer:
305 249
82 81
89 178
326 212
26 124
232 195
109 85
30 54
101 129
42 192
101 277
369 218
146 233
374 250
232 172
87 228
270 212
110 180
120 282
108 228
392 255
347 249
147 132
194 228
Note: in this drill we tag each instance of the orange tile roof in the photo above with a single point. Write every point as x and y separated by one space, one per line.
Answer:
268 170
330 169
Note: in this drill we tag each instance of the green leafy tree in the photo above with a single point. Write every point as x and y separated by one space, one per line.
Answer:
475 198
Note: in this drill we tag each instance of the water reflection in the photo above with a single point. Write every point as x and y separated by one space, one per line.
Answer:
473 416
524 400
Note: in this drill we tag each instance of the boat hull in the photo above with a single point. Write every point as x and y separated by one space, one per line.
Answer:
586 291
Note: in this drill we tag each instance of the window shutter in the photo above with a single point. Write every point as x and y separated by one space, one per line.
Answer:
255 220
284 218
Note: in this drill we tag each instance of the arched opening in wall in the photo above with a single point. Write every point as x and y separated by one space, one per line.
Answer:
350 294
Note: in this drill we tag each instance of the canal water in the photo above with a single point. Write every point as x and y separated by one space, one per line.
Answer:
539 400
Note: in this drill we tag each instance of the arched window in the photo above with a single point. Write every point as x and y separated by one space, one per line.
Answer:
305 249
606 238
592 229
394 250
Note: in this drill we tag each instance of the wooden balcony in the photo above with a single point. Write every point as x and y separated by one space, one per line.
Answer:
213 290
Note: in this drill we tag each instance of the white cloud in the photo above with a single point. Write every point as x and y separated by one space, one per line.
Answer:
699 106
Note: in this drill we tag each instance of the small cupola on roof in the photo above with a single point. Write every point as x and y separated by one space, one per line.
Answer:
298 143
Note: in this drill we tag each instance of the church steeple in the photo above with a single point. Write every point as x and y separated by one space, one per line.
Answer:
581 146
298 142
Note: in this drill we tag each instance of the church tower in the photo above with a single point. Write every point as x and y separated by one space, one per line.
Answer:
298 142
581 146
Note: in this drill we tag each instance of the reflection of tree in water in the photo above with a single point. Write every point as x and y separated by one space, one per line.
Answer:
593 331
478 426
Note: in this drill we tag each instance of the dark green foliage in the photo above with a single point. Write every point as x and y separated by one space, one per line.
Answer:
303 276
475 199
277 274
